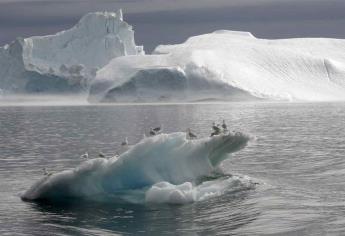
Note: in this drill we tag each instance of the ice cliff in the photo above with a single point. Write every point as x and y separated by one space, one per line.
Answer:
227 65
67 60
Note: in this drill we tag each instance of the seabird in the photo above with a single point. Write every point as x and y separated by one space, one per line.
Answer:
190 135
225 127
101 154
85 155
216 129
157 129
152 132
124 142
45 172
116 154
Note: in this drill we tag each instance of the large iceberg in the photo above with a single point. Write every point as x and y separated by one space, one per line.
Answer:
227 65
68 60
99 56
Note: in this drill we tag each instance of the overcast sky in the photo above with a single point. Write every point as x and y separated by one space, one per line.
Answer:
173 21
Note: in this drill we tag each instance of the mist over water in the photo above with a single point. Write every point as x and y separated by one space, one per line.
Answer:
43 100
297 160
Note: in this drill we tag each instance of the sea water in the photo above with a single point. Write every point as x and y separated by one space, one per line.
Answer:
296 163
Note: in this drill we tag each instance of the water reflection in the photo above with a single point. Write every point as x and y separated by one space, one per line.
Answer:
299 153
205 217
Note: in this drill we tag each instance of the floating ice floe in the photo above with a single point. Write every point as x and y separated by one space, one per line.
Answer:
166 168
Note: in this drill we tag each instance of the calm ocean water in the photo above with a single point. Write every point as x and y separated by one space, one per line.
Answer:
297 159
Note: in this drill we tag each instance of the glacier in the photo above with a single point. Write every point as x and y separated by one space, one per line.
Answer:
166 168
227 65
68 60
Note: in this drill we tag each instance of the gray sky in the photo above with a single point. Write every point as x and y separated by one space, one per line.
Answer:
173 21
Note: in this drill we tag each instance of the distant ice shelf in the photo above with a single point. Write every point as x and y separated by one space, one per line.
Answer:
68 60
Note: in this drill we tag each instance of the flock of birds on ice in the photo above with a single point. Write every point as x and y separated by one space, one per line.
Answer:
217 129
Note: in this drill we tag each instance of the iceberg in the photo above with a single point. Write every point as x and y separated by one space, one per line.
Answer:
227 65
99 57
68 60
166 168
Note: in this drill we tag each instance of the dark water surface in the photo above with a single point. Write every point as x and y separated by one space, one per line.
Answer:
297 159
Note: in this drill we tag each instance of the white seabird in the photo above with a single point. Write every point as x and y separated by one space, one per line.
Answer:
101 154
85 155
45 172
190 134
157 129
152 132
125 142
225 127
216 129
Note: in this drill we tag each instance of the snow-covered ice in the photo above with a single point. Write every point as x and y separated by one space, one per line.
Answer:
227 65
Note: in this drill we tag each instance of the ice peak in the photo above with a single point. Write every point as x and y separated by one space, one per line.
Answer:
95 20
119 14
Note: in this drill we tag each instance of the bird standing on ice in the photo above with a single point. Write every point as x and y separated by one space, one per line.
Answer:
190 134
225 127
125 142
85 155
101 155
157 129
45 172
152 132
116 154
216 129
